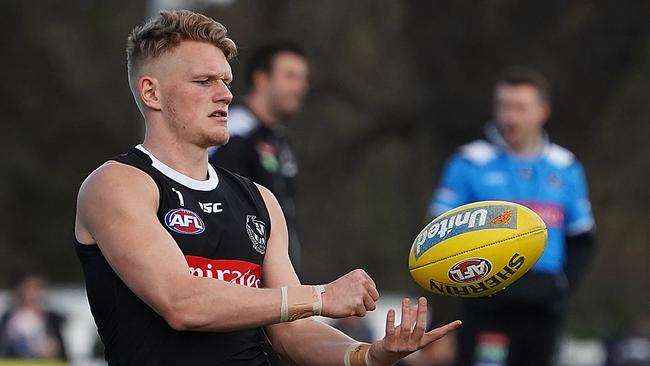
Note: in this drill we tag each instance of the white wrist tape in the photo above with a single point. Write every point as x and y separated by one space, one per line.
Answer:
284 310
367 358
301 302
357 354
318 304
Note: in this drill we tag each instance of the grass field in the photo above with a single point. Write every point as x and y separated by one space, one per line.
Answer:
31 363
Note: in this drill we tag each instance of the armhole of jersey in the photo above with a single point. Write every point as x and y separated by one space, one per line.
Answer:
123 159
259 202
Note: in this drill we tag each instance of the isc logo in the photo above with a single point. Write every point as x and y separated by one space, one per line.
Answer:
184 221
470 270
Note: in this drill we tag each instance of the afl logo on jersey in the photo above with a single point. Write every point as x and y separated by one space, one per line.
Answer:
184 221
256 230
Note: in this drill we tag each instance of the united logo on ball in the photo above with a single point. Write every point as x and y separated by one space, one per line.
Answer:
470 270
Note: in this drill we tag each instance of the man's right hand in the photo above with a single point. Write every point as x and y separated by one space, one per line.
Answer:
352 294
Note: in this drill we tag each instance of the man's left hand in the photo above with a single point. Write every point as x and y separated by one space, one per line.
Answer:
409 336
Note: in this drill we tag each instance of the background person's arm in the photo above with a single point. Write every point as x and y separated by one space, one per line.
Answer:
310 342
117 207
580 228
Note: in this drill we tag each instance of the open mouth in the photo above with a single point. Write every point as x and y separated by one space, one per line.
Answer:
221 113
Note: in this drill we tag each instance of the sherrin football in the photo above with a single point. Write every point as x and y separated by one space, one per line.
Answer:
477 249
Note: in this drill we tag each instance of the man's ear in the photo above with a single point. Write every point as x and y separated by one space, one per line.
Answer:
149 89
547 112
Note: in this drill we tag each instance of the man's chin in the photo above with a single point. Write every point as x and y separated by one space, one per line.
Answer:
216 140
511 138
224 140
291 110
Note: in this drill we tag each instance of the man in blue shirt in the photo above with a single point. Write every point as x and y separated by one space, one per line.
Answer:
516 162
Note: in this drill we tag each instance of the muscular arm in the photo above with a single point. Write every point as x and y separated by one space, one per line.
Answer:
310 342
116 209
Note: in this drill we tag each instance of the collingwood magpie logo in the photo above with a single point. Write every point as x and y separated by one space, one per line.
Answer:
256 230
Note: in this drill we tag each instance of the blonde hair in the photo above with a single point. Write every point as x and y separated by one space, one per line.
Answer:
165 31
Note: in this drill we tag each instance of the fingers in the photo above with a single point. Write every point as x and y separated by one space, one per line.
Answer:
372 282
390 322
352 294
390 329
368 284
371 294
369 303
409 336
405 338
438 333
422 313
361 310
406 324
420 324
414 315
372 291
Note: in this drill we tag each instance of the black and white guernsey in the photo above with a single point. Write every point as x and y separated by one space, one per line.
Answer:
221 225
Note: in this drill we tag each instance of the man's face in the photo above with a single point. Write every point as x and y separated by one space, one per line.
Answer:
520 112
30 292
194 81
287 83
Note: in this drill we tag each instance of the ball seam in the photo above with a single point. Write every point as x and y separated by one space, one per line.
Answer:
481 247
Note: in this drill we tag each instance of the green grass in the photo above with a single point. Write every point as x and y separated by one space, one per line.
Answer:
8 362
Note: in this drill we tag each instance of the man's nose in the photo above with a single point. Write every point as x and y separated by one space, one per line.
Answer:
223 94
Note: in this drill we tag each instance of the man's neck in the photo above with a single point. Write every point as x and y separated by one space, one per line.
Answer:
261 108
34 308
530 147
189 160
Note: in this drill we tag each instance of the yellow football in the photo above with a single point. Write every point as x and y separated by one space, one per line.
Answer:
477 249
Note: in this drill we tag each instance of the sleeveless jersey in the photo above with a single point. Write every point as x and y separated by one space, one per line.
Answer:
221 225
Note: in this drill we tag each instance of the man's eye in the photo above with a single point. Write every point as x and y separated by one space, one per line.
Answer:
203 82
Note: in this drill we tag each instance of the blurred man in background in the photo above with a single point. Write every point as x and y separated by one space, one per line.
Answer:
516 162
28 330
259 148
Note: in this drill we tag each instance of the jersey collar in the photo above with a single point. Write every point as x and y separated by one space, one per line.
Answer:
493 136
198 185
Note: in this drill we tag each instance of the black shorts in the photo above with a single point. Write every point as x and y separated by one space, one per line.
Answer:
519 326
509 335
